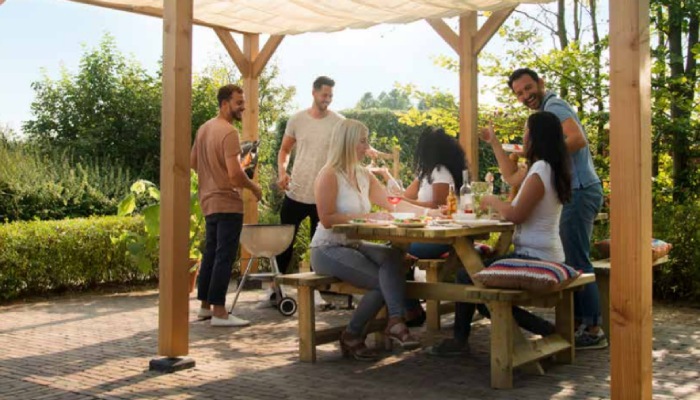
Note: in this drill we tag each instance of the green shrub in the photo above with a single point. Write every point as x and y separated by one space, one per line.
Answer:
679 224
42 256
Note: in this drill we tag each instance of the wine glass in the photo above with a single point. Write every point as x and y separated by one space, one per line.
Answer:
394 192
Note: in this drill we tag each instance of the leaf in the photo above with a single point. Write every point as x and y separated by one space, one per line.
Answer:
151 219
139 186
127 206
154 192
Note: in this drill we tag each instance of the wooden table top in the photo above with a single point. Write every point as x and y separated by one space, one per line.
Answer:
428 232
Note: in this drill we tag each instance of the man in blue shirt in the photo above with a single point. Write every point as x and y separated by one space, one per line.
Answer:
578 216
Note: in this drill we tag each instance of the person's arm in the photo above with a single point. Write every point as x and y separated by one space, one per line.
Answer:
509 170
573 136
193 156
531 194
440 192
236 175
288 143
411 192
326 194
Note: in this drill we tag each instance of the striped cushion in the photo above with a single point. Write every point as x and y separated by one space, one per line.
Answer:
531 275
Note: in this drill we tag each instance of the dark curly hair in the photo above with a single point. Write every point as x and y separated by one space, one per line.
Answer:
435 147
547 143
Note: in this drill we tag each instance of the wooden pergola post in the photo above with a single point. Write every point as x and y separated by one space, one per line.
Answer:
173 329
630 181
468 44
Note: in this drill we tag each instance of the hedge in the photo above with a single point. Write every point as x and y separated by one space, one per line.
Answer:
41 256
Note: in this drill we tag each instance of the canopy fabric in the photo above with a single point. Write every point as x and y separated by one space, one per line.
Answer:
288 17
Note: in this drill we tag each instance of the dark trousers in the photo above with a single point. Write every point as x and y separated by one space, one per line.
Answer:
223 231
293 213
464 312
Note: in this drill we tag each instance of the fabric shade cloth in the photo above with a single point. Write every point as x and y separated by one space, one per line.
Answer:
289 17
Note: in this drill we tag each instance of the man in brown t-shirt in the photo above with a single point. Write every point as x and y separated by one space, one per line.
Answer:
215 157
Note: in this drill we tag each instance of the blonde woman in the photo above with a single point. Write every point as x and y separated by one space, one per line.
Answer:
344 191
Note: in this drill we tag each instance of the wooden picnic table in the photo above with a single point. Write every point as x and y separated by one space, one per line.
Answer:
509 347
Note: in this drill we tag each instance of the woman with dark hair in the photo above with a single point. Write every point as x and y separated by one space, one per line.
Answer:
438 163
536 209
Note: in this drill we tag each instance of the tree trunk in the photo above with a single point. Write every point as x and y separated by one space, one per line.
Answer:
597 85
563 41
658 137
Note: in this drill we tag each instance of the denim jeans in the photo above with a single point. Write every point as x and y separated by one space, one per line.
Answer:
575 230
223 231
374 267
464 312
293 213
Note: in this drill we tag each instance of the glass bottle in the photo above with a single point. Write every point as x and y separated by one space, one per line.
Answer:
466 200
451 201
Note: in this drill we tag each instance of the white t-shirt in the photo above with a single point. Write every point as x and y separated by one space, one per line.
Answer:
539 235
440 174
312 137
348 201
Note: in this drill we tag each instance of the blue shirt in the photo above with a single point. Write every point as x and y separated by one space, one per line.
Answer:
582 172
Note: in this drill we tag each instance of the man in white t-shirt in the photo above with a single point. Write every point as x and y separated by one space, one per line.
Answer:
308 132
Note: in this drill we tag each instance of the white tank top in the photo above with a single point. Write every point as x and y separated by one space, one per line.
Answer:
347 201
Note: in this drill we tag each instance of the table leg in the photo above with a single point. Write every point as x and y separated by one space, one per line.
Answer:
307 324
501 345
564 325
432 306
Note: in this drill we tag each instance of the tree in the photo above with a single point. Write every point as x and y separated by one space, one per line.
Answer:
397 99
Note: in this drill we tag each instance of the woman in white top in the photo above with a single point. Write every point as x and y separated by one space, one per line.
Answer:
344 191
546 186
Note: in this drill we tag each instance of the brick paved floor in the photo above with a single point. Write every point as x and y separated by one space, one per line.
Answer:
99 346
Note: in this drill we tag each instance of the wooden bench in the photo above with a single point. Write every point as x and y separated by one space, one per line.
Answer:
509 348
601 268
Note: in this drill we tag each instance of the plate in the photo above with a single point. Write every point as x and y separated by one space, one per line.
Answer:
410 224
478 222
371 223
513 148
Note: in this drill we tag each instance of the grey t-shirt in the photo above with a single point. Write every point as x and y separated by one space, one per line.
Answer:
313 137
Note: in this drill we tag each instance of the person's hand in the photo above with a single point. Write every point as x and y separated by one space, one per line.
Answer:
257 192
487 202
380 216
487 133
372 152
380 171
283 181
434 213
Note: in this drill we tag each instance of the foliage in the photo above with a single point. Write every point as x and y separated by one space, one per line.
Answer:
396 99
41 256
111 108
36 185
143 244
679 224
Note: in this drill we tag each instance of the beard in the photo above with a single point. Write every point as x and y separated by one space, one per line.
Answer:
322 106
236 115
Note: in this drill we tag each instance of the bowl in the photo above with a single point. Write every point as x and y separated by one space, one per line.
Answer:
403 215
266 240
464 216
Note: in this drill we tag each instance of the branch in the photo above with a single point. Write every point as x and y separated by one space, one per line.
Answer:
553 31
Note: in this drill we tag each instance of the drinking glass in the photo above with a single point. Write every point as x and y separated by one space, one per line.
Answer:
394 192
479 190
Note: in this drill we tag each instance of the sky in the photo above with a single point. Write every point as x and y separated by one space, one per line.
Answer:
37 37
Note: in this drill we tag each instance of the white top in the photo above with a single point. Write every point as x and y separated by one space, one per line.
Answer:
313 137
347 201
440 174
539 235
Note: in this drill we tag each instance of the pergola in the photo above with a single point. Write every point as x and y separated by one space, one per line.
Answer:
630 145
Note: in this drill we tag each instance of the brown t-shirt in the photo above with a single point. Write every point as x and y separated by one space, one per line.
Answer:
216 140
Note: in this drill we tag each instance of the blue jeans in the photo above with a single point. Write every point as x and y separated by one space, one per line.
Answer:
223 231
464 312
426 251
374 267
575 230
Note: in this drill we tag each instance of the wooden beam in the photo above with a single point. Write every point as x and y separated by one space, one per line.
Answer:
630 211
266 53
251 90
445 32
468 92
176 130
143 10
490 27
243 63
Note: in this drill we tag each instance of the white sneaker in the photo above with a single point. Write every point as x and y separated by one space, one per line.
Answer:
204 313
230 321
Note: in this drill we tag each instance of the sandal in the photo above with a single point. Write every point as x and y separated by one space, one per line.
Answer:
355 347
398 332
